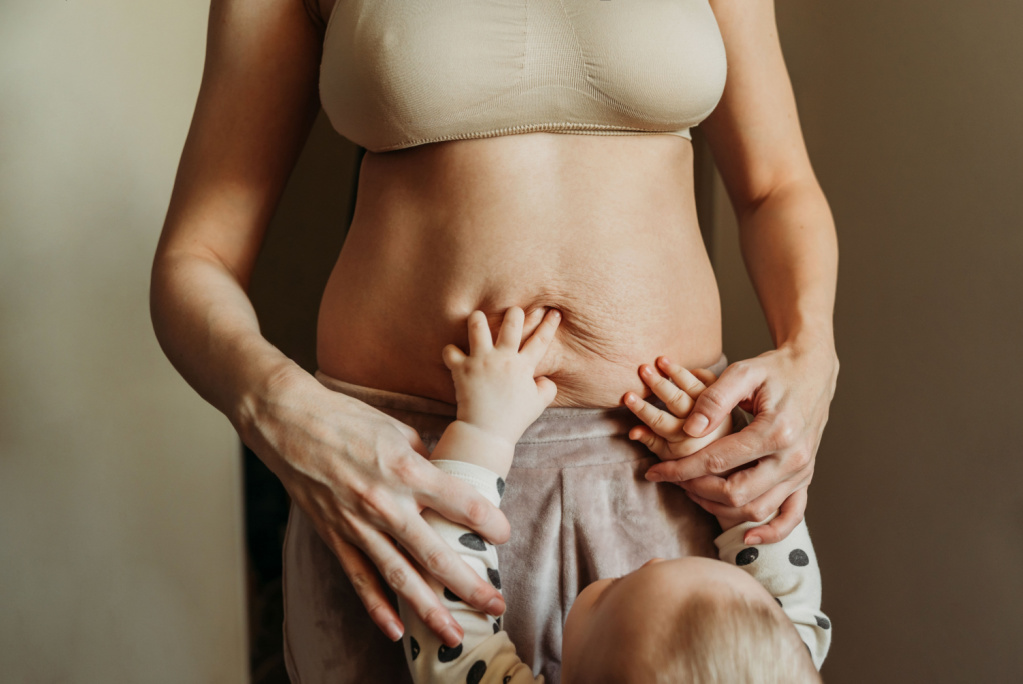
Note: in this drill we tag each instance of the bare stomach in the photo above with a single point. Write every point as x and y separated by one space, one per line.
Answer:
602 228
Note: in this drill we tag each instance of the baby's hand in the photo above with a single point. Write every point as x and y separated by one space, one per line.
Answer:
663 433
494 384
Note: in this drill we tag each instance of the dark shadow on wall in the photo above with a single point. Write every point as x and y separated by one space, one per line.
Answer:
301 246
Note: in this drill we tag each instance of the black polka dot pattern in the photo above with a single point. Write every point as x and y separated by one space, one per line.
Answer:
472 541
450 595
476 672
413 646
822 622
495 577
747 556
446 655
500 487
799 558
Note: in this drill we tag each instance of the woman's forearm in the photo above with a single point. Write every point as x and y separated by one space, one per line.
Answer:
791 252
208 329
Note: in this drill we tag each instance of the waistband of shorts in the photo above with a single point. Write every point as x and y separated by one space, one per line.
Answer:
555 424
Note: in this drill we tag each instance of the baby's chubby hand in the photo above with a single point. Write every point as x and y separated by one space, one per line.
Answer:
663 433
494 385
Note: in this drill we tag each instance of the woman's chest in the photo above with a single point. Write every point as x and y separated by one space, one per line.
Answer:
402 72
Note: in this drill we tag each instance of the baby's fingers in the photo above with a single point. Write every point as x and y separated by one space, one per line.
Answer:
510 334
452 356
658 445
537 344
789 515
686 381
480 339
661 422
547 390
677 400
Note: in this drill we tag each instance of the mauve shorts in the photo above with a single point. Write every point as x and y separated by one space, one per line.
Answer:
579 509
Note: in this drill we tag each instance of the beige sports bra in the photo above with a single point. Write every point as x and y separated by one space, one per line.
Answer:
401 73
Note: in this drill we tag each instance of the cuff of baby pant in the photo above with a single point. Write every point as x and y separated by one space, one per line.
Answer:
485 481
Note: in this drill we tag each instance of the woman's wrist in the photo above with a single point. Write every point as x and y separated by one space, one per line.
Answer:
262 395
816 345
807 333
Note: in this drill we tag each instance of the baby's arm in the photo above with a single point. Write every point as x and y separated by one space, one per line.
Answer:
486 654
498 398
788 570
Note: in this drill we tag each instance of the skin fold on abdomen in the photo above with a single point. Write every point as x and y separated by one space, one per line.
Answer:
602 228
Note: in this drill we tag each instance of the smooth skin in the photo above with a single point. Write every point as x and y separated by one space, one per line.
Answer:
605 220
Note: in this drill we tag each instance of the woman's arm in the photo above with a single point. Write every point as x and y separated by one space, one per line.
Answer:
354 470
789 245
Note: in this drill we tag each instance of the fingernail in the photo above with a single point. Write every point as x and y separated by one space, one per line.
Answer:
696 424
665 361
630 399
654 477
753 541
393 631
495 607
556 314
450 636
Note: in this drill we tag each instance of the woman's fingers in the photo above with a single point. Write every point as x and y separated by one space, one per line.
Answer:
731 451
437 558
538 343
510 334
737 383
480 339
406 581
460 503
366 581
415 441
754 510
789 515
744 485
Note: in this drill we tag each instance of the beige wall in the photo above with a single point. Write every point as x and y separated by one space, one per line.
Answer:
120 528
912 112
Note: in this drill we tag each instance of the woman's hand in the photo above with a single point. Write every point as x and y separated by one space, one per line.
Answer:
788 391
362 478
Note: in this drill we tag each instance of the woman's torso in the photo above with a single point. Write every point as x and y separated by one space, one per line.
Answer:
601 227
